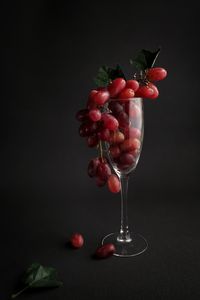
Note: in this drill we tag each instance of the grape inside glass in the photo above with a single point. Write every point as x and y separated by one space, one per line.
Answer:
123 153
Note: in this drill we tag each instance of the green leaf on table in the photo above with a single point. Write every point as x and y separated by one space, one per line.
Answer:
37 276
145 59
106 74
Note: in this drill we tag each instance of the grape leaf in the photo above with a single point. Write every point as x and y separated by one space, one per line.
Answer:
37 276
145 59
106 75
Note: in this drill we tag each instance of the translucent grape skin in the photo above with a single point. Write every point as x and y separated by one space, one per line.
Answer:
104 134
115 107
155 89
156 74
92 167
116 87
114 184
76 240
126 93
114 151
132 84
82 115
117 137
110 122
101 97
92 141
94 114
130 144
103 171
144 91
105 251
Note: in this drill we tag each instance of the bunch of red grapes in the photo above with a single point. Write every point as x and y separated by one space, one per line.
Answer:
107 119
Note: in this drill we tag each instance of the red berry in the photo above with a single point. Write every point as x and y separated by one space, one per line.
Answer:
132 133
103 171
154 88
132 109
92 167
82 115
114 184
105 251
101 97
84 130
115 107
100 182
130 145
77 240
95 114
127 93
91 104
156 74
117 137
92 141
104 134
116 87
109 121
127 159
123 119
144 91
132 84
114 151
92 94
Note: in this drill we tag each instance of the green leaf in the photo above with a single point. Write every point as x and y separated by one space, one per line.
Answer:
37 276
145 59
106 75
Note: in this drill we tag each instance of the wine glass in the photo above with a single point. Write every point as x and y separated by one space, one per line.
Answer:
123 154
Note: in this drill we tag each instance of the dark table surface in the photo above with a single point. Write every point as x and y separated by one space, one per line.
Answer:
51 52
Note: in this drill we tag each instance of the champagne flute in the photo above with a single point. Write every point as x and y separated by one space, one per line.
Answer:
123 154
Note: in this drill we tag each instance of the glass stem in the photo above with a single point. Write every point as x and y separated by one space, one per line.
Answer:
124 235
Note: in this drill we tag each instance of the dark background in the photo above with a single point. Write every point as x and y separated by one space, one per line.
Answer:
51 52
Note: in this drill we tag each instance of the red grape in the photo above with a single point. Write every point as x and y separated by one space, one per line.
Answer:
132 133
116 87
92 167
92 141
126 93
104 134
115 107
154 88
132 109
84 130
76 240
109 121
130 144
144 91
156 74
101 97
127 159
114 151
114 184
117 137
95 115
91 104
82 115
105 251
132 84
123 119
99 181
103 171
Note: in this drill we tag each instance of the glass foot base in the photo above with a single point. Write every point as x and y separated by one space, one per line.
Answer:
134 246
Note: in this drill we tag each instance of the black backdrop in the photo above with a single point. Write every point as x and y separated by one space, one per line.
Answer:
51 52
